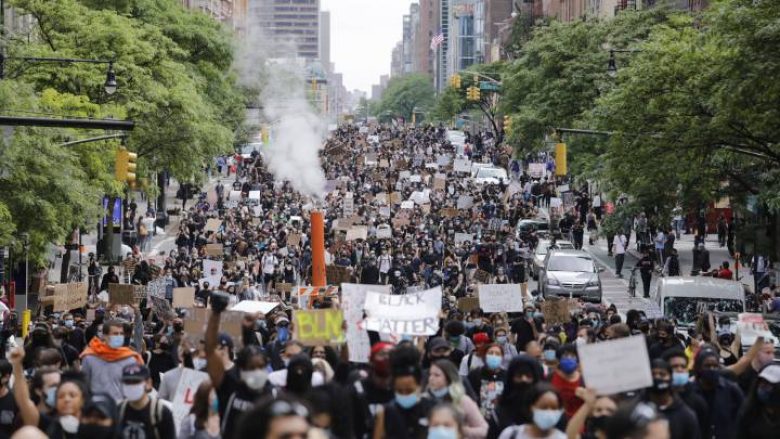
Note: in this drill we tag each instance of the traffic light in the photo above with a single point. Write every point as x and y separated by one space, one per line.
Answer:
125 165
507 124
472 93
455 81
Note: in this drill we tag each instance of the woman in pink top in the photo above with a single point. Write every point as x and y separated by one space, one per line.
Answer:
444 385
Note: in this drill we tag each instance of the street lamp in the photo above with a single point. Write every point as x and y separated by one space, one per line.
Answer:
26 243
612 64
110 85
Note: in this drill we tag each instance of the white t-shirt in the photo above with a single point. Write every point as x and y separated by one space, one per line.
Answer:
619 245
520 432
269 264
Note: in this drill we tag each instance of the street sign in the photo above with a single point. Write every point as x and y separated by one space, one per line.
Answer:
489 86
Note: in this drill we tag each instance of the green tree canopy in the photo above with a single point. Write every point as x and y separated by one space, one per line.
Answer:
407 92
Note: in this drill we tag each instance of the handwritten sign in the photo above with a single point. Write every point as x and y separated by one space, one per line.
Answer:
752 326
293 239
460 238
466 304
357 232
183 297
197 318
68 296
185 393
407 314
353 297
500 298
125 294
214 250
213 224
384 231
462 165
556 311
439 183
616 366
321 326
465 202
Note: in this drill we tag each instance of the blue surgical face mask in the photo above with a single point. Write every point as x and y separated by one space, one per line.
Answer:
679 379
282 334
407 401
549 355
68 324
493 361
440 393
215 405
116 341
538 315
546 419
51 396
442 432
501 339
568 364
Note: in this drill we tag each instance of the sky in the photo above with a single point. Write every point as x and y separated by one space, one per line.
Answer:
362 36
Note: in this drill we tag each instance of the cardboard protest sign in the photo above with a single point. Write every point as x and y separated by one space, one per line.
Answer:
395 198
399 223
213 224
254 195
254 306
321 326
215 250
384 211
449 212
439 183
348 207
197 318
184 397
381 198
337 274
357 232
183 297
466 304
420 197
462 165
383 163
465 202
383 231
751 326
124 294
460 238
556 311
556 202
407 314
353 296
66 297
294 239
500 298
616 366
404 175
284 287
431 166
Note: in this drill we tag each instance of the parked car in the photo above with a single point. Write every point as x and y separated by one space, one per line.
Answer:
540 253
570 273
491 176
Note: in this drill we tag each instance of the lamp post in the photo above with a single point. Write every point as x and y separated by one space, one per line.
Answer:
109 85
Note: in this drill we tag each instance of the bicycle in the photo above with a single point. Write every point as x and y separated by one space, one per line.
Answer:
632 283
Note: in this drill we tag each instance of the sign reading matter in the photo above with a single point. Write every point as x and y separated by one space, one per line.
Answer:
408 314
616 366
501 298
321 326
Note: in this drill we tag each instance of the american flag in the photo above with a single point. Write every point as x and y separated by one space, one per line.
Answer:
437 40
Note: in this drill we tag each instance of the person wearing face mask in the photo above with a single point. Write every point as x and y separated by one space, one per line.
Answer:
545 411
488 380
567 378
475 359
445 422
445 385
550 348
203 419
141 415
239 385
723 397
404 417
760 415
522 373
509 349
764 355
104 359
682 387
160 359
36 408
682 420
98 418
169 381
70 397
592 417
369 394
74 334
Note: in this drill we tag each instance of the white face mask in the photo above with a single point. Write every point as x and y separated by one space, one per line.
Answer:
254 379
134 392
198 363
69 423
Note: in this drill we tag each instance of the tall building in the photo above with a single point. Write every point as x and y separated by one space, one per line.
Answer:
397 63
441 65
497 12
406 42
467 21
325 40
289 22
425 28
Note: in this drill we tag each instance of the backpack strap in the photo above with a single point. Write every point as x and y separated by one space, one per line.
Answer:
122 408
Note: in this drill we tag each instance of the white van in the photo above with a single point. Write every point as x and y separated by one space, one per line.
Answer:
684 299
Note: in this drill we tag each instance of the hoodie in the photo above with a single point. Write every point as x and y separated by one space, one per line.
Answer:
102 366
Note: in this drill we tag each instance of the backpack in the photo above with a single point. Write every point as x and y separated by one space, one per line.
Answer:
156 413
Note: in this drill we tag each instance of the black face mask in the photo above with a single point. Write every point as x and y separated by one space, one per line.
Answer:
96 431
660 386
597 423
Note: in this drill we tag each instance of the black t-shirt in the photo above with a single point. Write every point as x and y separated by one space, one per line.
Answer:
366 400
235 398
137 424
8 413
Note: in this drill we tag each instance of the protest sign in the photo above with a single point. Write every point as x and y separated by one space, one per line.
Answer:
416 178
751 326
443 160
381 198
183 297
348 207
395 198
460 238
162 307
431 166
184 397
407 314
293 239
284 287
449 212
556 311
353 296
500 298
421 197
215 250
234 196
462 165
439 183
124 294
384 211
66 297
337 274
616 366
556 202
357 232
384 231
466 304
404 175
407 205
213 224
197 318
383 163
254 195
212 271
254 306
536 170
321 326
465 202
399 223
597 201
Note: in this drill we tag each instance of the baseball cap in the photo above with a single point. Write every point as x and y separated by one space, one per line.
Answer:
224 340
771 373
103 404
135 373
438 343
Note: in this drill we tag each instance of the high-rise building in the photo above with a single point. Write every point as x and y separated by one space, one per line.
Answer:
441 65
426 27
406 42
397 63
467 20
325 40
290 25
497 13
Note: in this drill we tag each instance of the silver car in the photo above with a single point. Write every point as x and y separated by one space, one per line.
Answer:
540 254
570 273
